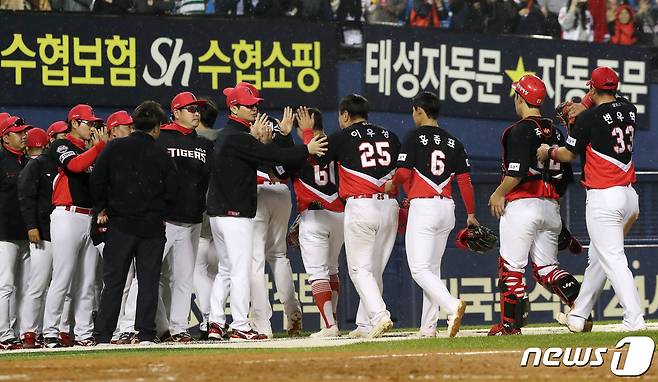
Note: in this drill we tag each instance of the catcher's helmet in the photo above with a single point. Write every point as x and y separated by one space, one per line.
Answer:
531 88
604 78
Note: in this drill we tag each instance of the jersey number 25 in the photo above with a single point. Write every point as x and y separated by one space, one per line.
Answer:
368 156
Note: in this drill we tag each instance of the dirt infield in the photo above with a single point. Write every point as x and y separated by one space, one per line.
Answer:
293 366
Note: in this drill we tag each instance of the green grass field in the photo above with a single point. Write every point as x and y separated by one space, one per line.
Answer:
479 343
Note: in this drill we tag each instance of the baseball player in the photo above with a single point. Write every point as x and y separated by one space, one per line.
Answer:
190 153
57 130
13 239
366 154
603 137
270 228
320 224
232 197
74 254
429 159
133 182
34 196
206 265
527 204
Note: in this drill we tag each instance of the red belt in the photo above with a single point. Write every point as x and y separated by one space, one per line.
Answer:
78 210
378 196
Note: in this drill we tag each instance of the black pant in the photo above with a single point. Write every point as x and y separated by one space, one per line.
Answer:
120 248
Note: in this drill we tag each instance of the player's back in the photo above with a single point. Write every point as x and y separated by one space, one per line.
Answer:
366 155
435 156
606 133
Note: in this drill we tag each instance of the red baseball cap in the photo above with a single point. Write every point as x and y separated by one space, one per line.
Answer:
118 118
4 116
82 112
13 125
185 98
604 78
242 94
56 128
37 138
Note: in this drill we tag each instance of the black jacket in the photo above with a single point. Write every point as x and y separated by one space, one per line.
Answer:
190 154
237 155
35 189
134 180
12 226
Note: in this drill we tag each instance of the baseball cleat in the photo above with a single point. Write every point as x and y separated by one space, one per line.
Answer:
502 330
11 344
250 335
30 340
217 332
358 333
125 338
91 341
454 323
330 332
64 339
382 326
295 324
51 343
181 337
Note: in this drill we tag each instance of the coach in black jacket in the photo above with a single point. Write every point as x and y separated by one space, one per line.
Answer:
13 237
132 183
232 200
190 153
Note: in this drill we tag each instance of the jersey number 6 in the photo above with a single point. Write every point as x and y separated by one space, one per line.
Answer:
368 156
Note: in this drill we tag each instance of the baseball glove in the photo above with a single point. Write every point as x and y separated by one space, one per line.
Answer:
293 233
478 238
566 240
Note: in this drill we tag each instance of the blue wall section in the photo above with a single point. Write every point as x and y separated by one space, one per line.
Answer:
480 136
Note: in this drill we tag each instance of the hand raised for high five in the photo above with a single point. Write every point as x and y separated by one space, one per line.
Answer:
305 120
261 130
286 122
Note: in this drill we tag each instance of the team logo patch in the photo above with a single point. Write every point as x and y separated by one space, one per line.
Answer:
402 157
66 155
62 149
571 141
514 167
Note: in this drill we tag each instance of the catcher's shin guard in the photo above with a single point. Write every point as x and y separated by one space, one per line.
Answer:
514 303
559 282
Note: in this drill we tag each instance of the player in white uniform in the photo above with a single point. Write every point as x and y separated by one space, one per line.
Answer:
320 224
366 154
603 136
74 255
429 159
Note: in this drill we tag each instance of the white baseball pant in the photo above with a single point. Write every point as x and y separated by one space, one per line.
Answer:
74 268
205 271
320 240
607 211
530 227
181 247
126 322
428 226
15 267
270 229
41 265
233 238
370 229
